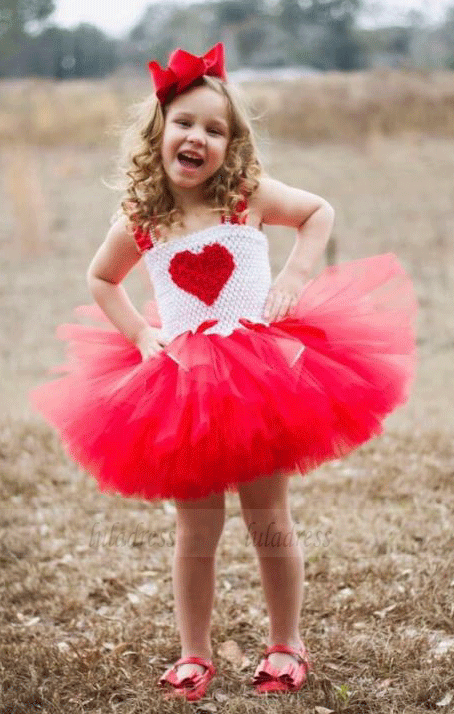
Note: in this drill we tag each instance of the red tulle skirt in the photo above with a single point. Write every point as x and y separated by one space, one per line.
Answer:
208 411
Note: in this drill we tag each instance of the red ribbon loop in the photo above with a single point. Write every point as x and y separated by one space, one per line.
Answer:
184 68
205 325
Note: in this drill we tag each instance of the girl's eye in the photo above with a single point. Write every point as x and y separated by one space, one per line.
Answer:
186 123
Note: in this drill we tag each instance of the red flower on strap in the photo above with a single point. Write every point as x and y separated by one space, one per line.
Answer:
184 68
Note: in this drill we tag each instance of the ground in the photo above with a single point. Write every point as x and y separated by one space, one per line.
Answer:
86 615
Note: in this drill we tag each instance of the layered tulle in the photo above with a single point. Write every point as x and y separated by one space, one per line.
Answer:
209 411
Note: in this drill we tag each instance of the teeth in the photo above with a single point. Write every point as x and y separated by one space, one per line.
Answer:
188 156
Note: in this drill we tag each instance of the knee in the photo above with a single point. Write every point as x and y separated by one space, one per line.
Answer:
265 494
273 518
270 528
200 533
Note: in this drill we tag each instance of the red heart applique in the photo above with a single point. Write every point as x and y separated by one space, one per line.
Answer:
202 274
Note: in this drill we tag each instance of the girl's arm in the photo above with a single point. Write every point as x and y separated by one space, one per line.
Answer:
112 262
313 218
311 215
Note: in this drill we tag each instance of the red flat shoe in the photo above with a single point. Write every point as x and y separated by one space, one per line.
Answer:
193 687
268 678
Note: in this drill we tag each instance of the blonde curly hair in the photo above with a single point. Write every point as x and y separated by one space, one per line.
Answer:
149 202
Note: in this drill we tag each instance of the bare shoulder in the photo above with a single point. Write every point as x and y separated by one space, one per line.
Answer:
118 253
122 228
277 203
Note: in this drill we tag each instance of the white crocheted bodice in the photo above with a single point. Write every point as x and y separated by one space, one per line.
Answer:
221 272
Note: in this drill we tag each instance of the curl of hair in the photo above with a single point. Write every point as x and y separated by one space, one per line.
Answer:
148 201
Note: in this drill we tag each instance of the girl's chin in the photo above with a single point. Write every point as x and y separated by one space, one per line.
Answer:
180 172
190 170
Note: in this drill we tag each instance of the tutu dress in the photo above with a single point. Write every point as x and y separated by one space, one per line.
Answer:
232 397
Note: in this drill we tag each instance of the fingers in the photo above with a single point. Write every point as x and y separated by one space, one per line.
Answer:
278 304
284 307
149 349
152 349
271 305
150 342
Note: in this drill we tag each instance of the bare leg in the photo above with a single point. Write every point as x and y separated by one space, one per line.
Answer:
267 516
200 524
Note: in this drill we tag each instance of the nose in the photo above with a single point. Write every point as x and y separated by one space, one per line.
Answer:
196 135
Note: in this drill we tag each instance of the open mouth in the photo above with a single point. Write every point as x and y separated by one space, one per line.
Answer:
189 161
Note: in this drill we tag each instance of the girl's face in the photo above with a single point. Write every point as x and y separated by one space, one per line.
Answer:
196 124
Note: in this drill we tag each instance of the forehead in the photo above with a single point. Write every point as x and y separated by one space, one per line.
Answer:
202 102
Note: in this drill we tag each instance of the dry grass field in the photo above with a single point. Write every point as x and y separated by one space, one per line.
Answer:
86 611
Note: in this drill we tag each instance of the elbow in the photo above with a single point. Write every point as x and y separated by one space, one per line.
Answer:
93 281
330 213
329 209
90 274
90 277
91 284
323 212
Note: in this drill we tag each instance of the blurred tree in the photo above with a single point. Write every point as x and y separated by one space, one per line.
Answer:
242 23
447 35
94 53
338 47
83 52
232 12
15 15
319 12
60 53
341 48
249 40
292 15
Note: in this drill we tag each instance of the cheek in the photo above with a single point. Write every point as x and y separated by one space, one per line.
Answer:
169 141
168 149
223 151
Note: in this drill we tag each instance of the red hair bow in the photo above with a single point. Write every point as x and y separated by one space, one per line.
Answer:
184 68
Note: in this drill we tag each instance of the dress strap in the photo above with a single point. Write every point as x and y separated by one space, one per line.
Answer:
143 240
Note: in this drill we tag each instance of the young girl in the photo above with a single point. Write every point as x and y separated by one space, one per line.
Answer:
229 381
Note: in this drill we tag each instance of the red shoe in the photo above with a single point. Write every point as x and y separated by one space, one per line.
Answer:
268 678
193 687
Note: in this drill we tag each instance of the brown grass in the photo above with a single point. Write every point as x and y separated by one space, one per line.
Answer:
355 107
86 622
333 106
87 626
